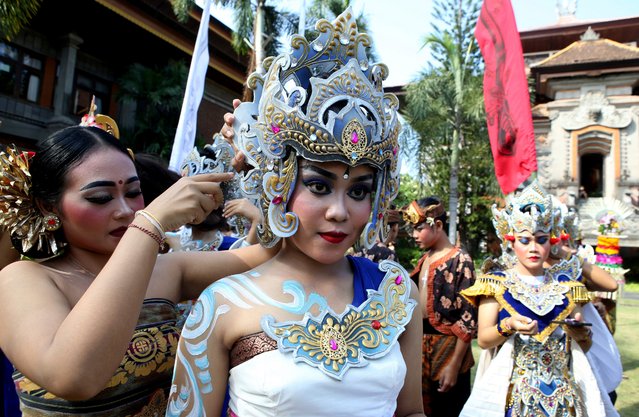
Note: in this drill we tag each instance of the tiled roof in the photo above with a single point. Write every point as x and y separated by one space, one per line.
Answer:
588 51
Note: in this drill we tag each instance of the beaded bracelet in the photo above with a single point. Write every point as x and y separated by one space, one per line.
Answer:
160 241
153 220
504 329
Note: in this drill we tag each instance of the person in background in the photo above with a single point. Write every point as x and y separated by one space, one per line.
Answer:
8 395
312 332
90 326
531 323
386 249
155 175
449 321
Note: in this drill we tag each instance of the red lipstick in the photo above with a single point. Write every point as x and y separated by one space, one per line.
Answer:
334 237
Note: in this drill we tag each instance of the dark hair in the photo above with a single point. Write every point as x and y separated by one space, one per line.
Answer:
433 200
62 151
214 221
155 176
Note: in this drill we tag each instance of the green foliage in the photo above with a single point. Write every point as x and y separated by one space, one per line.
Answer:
456 20
15 14
445 107
181 9
158 94
329 10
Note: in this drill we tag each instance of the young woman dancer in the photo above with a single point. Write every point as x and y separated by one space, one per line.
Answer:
311 332
535 317
90 327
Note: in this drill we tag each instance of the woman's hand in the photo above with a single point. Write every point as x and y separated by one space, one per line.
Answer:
238 162
189 200
580 334
448 378
243 207
522 324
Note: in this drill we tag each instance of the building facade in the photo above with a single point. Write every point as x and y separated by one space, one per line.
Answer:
586 117
73 50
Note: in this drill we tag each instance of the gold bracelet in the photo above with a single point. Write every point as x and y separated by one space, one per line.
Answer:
504 329
153 220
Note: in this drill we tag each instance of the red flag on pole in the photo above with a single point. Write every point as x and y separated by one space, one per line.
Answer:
506 98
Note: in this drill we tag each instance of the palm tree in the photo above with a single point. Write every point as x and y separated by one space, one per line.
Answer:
15 14
329 10
457 50
258 26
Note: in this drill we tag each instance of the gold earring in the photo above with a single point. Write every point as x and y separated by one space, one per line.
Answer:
51 222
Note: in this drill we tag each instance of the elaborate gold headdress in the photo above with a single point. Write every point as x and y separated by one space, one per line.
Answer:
323 101
18 213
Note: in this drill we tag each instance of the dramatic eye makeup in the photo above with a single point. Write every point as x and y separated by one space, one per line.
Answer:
103 197
525 240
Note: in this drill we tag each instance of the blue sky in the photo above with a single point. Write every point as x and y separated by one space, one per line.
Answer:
398 27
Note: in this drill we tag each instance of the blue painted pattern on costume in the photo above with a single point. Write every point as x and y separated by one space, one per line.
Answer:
242 292
335 343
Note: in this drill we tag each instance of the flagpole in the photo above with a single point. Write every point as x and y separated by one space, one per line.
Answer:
185 134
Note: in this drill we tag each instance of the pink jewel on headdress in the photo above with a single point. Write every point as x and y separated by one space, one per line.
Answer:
376 325
395 151
275 128
333 344
354 137
277 199
51 222
380 216
398 280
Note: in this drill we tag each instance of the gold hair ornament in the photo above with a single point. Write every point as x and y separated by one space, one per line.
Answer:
104 122
101 121
415 215
18 213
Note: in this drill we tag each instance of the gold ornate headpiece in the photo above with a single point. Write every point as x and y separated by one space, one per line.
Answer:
18 213
531 210
102 121
322 101
415 215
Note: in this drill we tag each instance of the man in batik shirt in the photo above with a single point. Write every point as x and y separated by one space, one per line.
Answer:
450 322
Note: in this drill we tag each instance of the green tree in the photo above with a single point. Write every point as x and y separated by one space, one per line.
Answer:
329 10
445 107
259 26
158 96
15 14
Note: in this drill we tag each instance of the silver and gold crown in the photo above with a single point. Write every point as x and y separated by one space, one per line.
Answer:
531 210
566 224
322 101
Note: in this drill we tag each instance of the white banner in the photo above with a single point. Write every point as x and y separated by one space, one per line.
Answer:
185 134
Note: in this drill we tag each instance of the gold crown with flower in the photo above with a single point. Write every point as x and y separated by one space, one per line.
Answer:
322 101
530 210
101 121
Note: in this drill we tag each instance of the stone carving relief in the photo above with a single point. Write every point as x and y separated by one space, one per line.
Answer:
595 109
